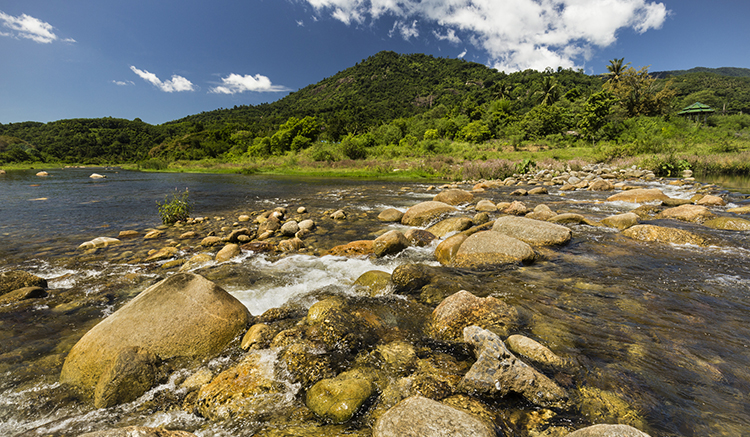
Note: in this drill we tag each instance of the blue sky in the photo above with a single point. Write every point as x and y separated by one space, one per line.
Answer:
160 60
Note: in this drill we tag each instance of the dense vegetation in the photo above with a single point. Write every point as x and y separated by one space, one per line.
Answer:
393 107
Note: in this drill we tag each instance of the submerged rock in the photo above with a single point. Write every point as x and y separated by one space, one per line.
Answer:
608 431
534 351
338 399
184 317
138 431
374 281
99 242
463 309
661 234
15 279
418 416
728 224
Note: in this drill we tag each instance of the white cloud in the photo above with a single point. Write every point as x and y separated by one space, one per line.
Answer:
235 83
515 34
123 82
28 27
177 83
461 55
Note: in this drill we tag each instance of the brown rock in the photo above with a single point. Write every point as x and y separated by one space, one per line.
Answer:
728 224
710 200
131 374
390 215
227 252
488 248
418 416
453 224
515 208
353 249
128 234
621 221
463 309
423 213
419 237
138 431
533 232
601 185
641 195
390 243
15 279
663 235
454 197
568 219
687 213
446 251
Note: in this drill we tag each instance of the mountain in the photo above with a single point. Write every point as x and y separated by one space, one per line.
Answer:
723 71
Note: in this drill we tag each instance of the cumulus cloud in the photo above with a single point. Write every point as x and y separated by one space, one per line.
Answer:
516 34
28 27
176 84
235 83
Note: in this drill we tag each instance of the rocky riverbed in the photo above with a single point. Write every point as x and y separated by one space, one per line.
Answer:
459 320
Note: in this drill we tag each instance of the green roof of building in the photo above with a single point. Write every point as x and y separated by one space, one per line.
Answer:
696 108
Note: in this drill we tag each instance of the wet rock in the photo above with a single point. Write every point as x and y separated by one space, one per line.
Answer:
601 185
568 219
605 406
671 202
486 206
454 197
519 192
308 362
196 261
23 294
162 254
608 431
307 225
42 174
537 191
16 279
188 235
534 352
374 281
188 318
647 212
446 251
236 235
419 237
211 241
132 373
301 210
711 200
740 210
243 218
127 234
463 309
353 249
497 372
641 195
259 336
153 235
515 208
533 232
662 234
271 224
332 323
290 228
339 215
480 218
291 245
453 224
227 252
423 213
390 215
621 221
728 224
248 390
418 416
399 357
259 246
687 213
408 278
390 243
338 399
541 212
138 431
99 242
489 248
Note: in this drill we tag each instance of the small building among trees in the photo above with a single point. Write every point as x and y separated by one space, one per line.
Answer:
695 111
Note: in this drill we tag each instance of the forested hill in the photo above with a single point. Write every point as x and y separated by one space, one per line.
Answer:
723 71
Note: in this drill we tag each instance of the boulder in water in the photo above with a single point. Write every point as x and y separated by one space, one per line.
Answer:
640 195
533 232
15 279
423 213
418 416
463 309
687 213
390 215
621 221
603 430
338 399
453 224
662 234
728 224
454 196
488 248
390 243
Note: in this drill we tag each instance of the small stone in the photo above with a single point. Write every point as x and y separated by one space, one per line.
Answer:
153 235
128 234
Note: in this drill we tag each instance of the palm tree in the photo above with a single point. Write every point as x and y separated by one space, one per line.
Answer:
549 92
615 69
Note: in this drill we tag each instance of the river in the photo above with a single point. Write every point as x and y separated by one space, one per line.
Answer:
663 327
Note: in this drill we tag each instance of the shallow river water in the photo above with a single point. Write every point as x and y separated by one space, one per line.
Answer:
663 328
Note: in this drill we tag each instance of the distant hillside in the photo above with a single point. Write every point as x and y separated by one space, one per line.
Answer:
723 71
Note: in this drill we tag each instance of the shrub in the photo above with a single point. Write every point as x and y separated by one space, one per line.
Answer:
176 209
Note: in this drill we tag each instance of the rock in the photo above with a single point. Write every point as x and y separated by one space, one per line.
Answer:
22 294
399 357
132 372
227 252
676 202
541 212
248 390
425 212
374 281
568 218
408 278
127 234
138 431
520 192
497 372
259 336
687 213
301 210
418 416
537 191
515 208
728 224
188 318
243 218
390 215
535 352
533 232
307 225
153 235
710 200
339 215
188 235
486 206
236 235
447 249
740 210
603 430
353 249
662 234
641 195
97 176
480 218
338 399
290 228
195 261
487 249
211 241
601 185
621 221
454 197
453 224
463 309
603 406
419 237
162 254
292 245
99 242
17 279
390 243
197 380
42 174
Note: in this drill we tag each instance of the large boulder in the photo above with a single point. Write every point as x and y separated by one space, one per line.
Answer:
390 243
487 249
359 248
463 309
15 279
390 215
621 221
533 232
687 213
132 373
454 196
418 416
184 317
448 248
453 224
639 195
425 212
374 281
711 200
497 372
662 234
728 224
603 430
338 399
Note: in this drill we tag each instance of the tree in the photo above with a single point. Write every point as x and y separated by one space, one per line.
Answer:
549 91
640 94
615 69
594 114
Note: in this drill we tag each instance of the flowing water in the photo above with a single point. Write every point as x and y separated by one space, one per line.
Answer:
662 327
